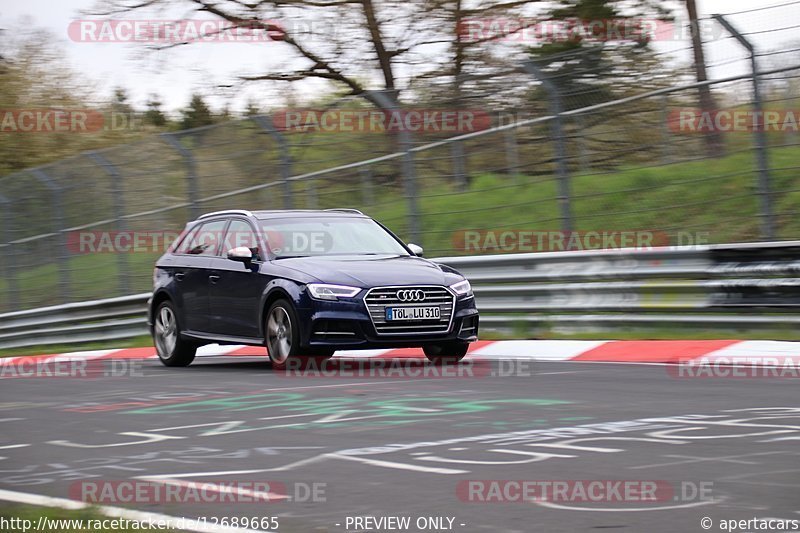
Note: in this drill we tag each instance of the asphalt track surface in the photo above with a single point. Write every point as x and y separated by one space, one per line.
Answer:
238 420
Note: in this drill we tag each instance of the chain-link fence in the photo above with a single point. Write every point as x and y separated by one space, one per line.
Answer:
600 155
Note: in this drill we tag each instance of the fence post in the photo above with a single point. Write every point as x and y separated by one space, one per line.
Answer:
764 191
387 102
558 135
459 167
666 137
119 212
10 273
58 227
265 123
512 154
367 192
582 151
191 171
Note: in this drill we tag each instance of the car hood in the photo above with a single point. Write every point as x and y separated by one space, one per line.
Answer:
372 271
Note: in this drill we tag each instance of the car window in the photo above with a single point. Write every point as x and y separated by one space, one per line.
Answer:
207 239
329 236
183 246
241 233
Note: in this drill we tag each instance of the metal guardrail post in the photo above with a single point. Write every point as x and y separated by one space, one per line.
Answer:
556 109
265 123
191 171
9 254
58 225
764 191
119 210
387 101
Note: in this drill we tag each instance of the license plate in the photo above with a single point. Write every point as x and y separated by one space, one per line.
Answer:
412 313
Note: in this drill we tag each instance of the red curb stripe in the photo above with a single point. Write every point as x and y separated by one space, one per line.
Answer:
652 351
131 353
250 350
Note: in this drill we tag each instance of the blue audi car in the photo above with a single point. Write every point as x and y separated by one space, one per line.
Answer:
305 283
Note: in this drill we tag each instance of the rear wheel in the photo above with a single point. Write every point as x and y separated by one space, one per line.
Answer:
446 352
171 348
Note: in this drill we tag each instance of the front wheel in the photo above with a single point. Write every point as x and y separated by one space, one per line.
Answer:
171 348
282 333
446 352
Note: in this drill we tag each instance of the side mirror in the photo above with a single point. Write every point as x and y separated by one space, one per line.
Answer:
416 250
242 254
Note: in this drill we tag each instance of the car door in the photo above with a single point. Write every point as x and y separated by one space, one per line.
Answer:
191 263
236 287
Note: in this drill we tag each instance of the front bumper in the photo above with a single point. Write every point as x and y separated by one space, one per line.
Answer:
346 324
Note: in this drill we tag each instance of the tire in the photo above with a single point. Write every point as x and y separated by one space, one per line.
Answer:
171 348
281 333
446 352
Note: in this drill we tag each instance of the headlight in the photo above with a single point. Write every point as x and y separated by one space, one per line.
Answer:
322 291
462 288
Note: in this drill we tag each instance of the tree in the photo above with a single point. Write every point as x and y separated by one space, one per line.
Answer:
599 64
120 103
154 115
252 109
33 78
358 45
197 114
714 142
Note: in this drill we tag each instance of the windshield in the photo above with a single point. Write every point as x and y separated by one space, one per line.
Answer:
329 236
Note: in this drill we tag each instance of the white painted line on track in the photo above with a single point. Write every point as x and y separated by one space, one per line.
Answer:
551 505
289 466
401 466
118 512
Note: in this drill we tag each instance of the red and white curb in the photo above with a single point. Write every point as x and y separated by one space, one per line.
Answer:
759 353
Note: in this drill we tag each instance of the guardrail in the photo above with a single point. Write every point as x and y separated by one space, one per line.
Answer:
730 287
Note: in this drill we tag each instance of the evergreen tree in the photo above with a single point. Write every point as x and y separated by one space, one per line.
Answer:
197 114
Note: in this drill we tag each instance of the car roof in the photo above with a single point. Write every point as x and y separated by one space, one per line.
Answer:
305 213
286 213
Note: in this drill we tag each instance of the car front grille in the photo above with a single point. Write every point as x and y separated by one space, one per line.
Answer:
379 298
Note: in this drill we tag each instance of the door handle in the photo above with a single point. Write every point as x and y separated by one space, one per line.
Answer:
179 276
213 279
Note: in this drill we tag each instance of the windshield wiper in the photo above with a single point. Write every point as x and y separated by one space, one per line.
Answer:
290 256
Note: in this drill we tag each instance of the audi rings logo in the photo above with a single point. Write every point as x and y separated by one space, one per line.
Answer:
411 296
